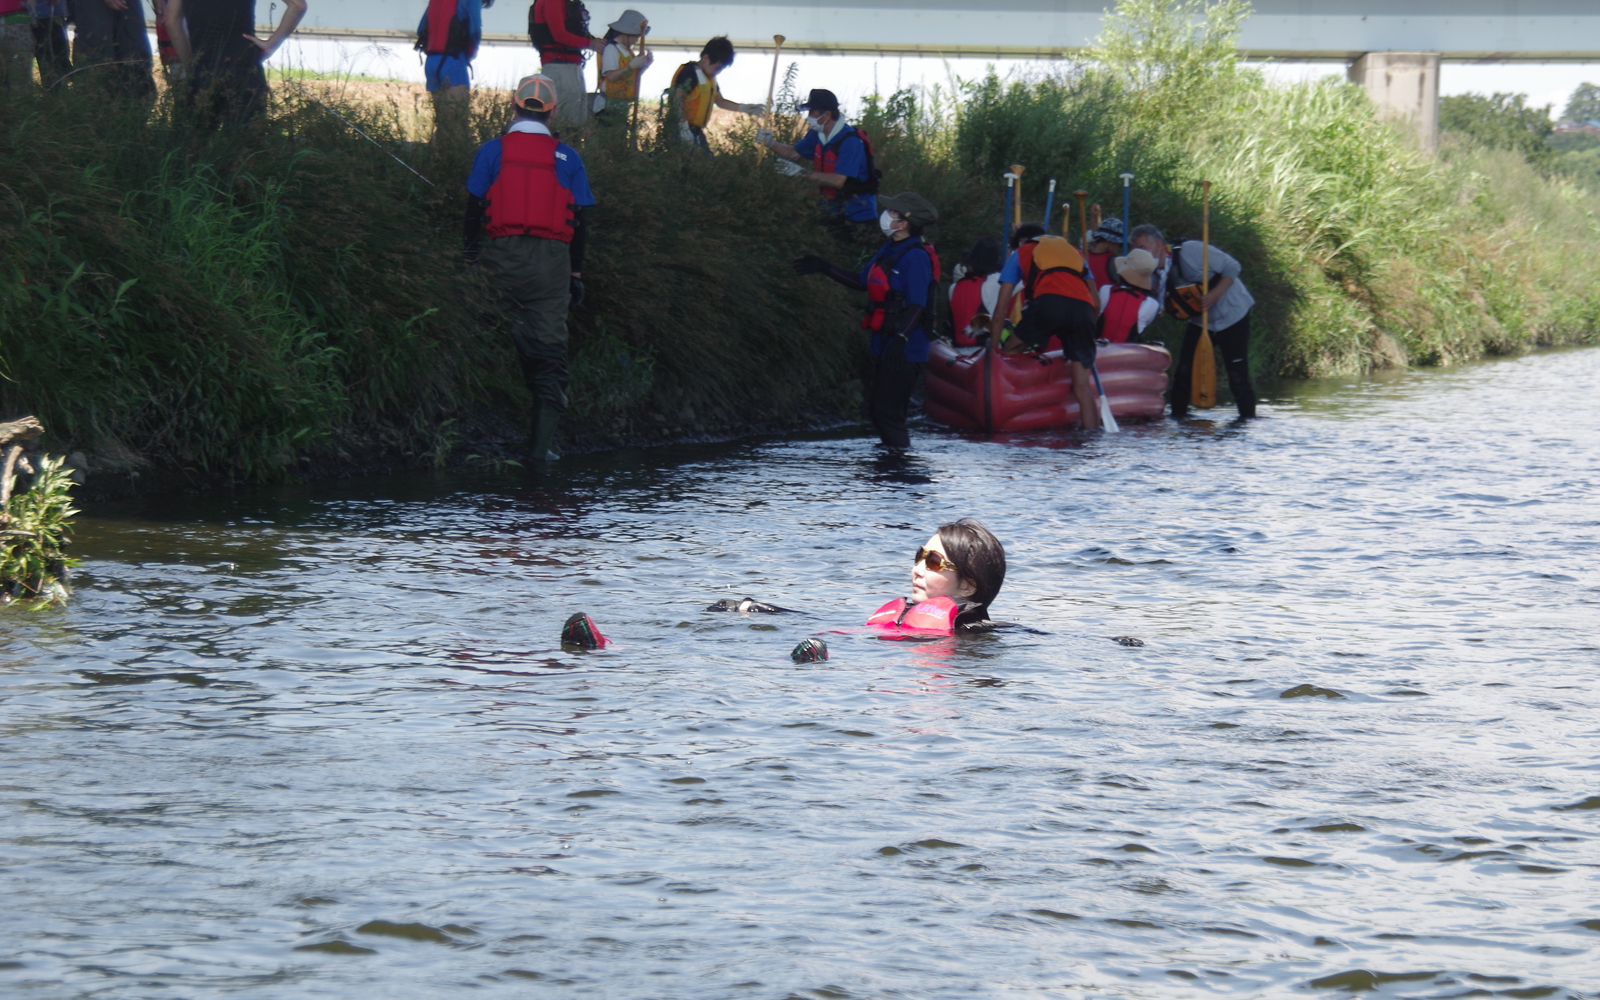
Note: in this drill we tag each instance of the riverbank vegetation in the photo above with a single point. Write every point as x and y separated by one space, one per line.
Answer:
246 304
35 519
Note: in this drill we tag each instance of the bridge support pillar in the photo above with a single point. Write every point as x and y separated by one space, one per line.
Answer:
1404 86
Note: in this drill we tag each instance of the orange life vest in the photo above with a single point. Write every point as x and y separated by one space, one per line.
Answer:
526 198
624 87
700 99
1053 266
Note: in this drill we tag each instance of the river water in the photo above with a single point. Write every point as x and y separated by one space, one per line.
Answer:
321 740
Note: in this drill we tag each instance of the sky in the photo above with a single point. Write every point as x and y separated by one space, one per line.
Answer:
854 77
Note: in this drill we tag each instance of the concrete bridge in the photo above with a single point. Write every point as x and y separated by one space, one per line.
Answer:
1393 47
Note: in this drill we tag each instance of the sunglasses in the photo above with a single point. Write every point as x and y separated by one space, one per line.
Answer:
937 562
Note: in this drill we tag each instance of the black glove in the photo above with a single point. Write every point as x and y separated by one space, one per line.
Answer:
577 292
810 264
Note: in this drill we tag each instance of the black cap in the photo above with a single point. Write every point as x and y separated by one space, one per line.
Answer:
911 206
820 100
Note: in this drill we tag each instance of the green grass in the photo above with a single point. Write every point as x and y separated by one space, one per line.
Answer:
233 303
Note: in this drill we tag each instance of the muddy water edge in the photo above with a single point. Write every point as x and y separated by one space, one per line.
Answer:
321 741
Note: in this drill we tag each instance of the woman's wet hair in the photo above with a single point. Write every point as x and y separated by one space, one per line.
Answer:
979 557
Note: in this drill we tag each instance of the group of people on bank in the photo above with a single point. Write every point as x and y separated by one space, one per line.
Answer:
209 49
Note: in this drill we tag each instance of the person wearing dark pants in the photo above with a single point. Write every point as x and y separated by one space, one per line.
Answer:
50 48
1234 343
1228 303
216 40
110 36
524 226
900 282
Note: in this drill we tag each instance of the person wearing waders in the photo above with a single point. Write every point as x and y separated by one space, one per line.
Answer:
901 282
841 160
216 40
1059 300
560 31
524 226
1228 303
449 34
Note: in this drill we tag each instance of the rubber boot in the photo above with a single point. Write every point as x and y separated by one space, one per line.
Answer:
542 437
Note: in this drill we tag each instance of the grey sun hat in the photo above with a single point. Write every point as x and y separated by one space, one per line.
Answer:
630 23
1110 231
912 207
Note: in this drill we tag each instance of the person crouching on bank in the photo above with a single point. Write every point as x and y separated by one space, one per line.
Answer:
901 282
841 159
526 194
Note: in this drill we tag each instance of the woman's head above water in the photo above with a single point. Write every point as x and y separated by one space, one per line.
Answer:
971 564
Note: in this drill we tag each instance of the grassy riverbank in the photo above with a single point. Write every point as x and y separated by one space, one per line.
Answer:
248 305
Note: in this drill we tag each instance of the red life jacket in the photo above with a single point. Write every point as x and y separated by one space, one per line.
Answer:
966 301
577 23
936 614
526 198
879 292
1100 267
1120 321
826 157
443 32
1053 266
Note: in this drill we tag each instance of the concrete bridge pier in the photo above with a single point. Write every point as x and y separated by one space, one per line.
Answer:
1404 86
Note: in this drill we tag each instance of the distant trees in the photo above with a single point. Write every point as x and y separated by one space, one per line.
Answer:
1584 104
1504 121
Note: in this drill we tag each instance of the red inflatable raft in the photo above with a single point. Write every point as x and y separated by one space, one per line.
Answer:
980 389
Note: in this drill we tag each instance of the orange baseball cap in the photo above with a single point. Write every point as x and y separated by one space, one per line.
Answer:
535 93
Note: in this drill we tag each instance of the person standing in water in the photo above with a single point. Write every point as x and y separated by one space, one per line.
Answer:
901 282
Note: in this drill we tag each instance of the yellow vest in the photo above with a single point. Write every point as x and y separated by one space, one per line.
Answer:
625 87
697 104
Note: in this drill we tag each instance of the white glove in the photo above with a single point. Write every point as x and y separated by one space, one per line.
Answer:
753 109
764 136
790 168
685 132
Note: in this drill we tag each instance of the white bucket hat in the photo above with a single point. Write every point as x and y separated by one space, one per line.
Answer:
1136 268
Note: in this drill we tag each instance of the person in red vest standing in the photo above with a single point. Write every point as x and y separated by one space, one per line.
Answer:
560 31
524 226
450 33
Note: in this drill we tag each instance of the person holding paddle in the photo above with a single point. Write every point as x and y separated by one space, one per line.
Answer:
841 159
1227 303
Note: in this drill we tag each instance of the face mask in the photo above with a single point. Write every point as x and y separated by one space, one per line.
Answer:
812 121
886 223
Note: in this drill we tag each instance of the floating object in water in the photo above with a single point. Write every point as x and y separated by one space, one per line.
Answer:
747 605
580 631
1127 640
937 614
809 651
980 389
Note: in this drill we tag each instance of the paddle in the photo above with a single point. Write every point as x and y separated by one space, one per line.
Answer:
1203 375
1011 186
1126 180
1049 204
772 86
1016 205
1108 423
1083 221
